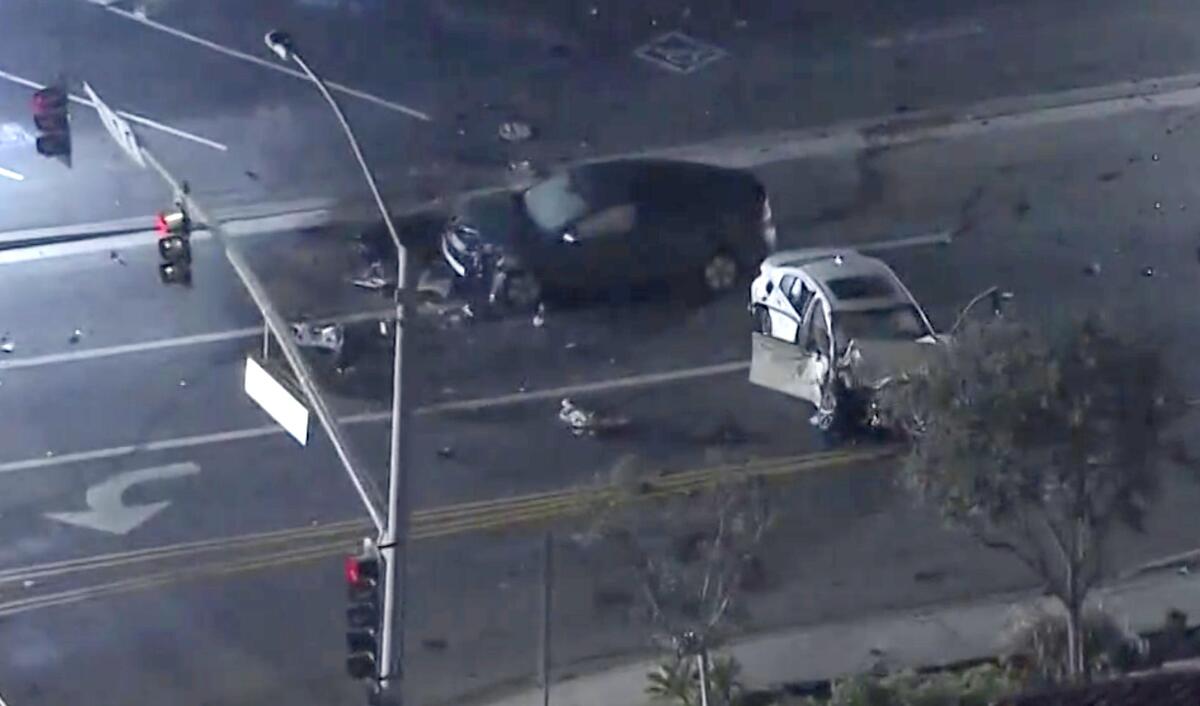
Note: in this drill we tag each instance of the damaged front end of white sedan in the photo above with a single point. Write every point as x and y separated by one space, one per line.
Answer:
833 328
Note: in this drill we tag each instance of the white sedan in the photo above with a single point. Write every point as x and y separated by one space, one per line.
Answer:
833 323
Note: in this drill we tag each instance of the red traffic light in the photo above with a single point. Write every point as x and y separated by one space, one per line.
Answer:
361 570
168 223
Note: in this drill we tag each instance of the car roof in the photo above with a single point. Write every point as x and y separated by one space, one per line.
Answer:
825 265
658 178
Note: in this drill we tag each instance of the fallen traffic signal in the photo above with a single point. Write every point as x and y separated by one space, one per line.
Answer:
174 246
50 117
364 612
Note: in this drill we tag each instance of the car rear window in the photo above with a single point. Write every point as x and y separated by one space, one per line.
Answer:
868 287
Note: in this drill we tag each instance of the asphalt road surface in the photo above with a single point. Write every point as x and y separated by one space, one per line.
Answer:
231 593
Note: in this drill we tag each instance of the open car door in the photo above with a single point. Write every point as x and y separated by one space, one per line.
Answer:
787 368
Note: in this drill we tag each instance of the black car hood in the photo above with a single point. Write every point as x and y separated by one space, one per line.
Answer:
499 218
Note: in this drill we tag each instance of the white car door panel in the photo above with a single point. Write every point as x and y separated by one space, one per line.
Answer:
786 367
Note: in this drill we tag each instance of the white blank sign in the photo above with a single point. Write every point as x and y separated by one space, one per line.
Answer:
277 401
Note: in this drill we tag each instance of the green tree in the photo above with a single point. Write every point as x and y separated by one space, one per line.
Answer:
1039 447
693 552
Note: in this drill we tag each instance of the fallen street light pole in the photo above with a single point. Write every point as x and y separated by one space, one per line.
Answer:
393 543
127 140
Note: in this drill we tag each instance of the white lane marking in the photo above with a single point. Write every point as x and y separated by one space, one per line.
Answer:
3 702
273 65
941 237
107 511
373 417
298 220
10 174
154 124
958 30
75 356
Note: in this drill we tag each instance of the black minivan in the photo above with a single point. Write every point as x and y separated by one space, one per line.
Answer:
612 224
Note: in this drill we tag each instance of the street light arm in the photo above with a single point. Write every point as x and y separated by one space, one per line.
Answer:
394 541
358 154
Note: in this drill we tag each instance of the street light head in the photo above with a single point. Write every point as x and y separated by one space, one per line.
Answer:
280 43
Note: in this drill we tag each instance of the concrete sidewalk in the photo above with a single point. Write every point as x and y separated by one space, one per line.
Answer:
925 638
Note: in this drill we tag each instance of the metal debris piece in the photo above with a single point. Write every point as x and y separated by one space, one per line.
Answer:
76 336
515 131
329 337
539 317
571 345
1092 269
446 452
183 383
373 278
1154 157
1147 271
588 422
1157 205
6 344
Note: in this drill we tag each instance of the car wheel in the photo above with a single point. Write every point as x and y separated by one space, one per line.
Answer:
522 291
762 320
720 273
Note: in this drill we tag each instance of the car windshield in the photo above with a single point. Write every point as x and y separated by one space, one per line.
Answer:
861 287
553 204
899 323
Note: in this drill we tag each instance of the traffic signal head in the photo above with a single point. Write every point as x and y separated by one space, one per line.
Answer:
50 117
363 613
174 246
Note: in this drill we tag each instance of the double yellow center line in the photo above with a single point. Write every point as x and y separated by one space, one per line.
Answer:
31 587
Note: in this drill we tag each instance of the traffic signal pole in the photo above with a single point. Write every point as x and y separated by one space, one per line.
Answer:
393 543
367 491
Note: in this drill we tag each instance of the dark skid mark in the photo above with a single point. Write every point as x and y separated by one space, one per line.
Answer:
967 212
869 191
1022 208
1110 176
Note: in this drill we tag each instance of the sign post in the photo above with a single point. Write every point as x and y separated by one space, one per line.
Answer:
117 126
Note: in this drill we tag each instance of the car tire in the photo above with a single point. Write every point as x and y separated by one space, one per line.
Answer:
720 273
522 291
762 320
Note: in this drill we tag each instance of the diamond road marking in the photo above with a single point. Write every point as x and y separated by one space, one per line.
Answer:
678 52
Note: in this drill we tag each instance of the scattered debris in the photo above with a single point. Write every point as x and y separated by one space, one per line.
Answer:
515 131
49 454
76 336
183 383
1154 157
1022 207
590 422
446 452
329 337
1147 271
1157 205
521 167
539 317
594 11
28 583
6 344
1092 269
435 644
570 346
1109 176
116 257
252 174
373 278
